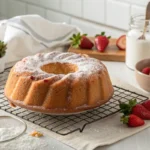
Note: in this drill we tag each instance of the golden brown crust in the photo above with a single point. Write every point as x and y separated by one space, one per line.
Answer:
71 93
60 110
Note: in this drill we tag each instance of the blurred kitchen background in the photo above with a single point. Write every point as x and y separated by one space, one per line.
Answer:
92 16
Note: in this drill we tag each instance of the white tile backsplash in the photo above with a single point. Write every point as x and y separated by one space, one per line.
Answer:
92 29
32 1
86 27
73 7
94 10
57 17
3 7
31 9
53 4
140 2
118 14
91 16
137 10
16 8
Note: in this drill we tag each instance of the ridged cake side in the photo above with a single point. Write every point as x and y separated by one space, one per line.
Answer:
17 85
54 93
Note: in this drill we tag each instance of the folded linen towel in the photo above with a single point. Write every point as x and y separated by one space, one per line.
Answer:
30 34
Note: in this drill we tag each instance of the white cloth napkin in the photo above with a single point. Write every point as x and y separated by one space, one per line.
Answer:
30 34
103 132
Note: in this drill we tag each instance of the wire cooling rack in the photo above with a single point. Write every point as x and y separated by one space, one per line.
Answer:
64 125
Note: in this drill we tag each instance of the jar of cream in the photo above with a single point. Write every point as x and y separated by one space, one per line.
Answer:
136 48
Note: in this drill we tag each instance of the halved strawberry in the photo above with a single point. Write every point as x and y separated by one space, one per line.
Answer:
121 42
101 42
132 120
146 70
78 40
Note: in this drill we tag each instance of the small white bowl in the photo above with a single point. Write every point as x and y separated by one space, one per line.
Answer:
143 79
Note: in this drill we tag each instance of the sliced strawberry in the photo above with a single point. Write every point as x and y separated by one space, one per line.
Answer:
101 42
78 40
132 120
121 42
146 104
146 70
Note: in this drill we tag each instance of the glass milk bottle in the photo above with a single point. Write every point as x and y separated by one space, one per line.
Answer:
137 49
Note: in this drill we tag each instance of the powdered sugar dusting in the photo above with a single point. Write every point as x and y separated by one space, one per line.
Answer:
32 64
8 133
25 142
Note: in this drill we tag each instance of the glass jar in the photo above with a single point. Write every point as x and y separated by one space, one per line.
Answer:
137 49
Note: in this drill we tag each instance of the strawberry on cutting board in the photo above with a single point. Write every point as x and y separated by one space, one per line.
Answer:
78 40
121 42
137 109
101 42
132 120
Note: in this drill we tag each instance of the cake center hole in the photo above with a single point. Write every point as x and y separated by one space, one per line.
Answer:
59 68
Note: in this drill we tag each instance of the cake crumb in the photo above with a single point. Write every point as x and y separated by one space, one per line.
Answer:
85 55
36 134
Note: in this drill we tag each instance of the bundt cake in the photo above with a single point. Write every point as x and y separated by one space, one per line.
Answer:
58 82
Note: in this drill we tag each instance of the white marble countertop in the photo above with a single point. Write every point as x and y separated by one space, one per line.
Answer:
140 141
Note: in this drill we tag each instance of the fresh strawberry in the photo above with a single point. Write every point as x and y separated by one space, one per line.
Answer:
121 42
146 104
86 43
78 40
132 120
146 70
141 112
101 42
125 108
137 109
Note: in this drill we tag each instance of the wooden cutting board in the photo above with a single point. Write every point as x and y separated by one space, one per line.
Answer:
112 53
